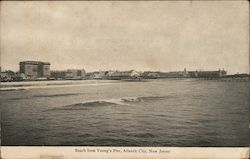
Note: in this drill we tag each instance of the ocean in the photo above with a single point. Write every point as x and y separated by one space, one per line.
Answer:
162 112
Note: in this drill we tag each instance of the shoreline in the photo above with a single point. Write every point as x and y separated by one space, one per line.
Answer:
38 84
128 79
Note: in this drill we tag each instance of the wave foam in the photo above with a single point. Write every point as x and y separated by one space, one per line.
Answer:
125 101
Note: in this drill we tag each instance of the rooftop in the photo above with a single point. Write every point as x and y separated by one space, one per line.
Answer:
35 62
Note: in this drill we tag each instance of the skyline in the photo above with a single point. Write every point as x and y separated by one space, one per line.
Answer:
157 36
184 69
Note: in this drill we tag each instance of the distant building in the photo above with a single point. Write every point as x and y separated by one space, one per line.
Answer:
35 69
242 75
58 74
117 75
69 74
150 75
99 75
193 74
207 74
7 76
75 74
177 74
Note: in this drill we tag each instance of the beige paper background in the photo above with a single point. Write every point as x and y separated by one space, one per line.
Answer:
174 153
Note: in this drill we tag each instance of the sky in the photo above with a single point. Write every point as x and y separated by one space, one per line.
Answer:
125 35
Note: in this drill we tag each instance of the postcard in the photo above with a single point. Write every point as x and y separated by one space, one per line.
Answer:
124 79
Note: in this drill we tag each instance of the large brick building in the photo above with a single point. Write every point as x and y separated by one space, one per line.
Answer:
35 69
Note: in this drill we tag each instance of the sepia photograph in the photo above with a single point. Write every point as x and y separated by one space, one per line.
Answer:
127 74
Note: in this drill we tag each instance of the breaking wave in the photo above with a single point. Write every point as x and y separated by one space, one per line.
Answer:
12 89
126 101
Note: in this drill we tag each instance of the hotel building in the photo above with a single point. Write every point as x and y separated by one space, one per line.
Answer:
35 69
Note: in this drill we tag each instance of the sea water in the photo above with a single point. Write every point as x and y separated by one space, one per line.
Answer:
166 112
